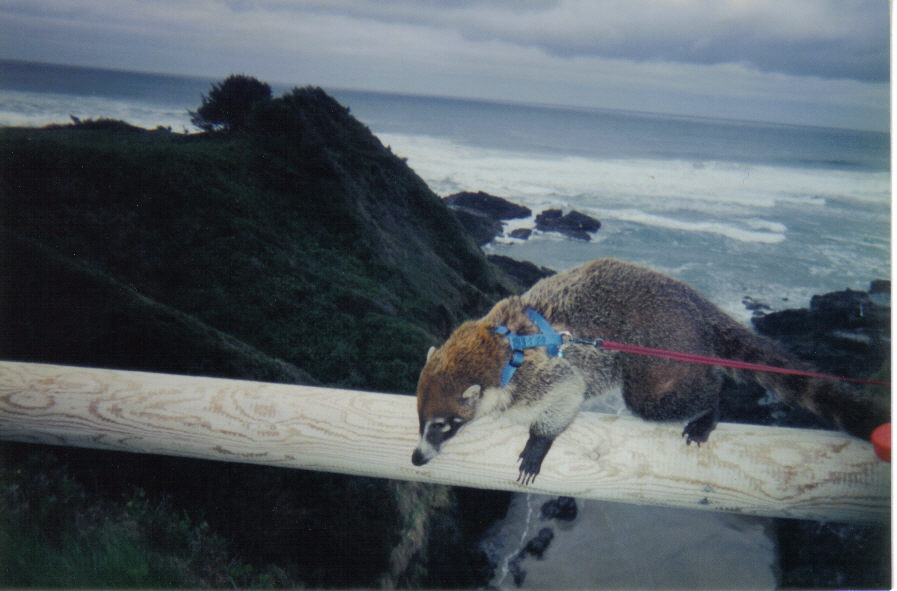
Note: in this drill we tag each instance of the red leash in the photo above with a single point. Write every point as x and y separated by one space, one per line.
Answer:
881 437
707 360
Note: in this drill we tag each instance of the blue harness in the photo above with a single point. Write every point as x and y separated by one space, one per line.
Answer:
546 337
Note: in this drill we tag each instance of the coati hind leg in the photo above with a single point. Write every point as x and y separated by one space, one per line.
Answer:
698 429
669 391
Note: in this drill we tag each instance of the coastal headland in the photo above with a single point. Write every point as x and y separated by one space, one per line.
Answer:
300 250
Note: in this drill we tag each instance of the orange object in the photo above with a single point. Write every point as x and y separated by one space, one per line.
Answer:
881 441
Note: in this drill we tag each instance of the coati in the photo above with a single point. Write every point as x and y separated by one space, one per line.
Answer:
622 302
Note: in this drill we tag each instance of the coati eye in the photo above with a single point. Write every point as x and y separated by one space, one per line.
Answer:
445 426
451 425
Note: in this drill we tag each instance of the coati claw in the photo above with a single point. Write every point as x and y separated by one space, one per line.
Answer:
528 472
690 436
526 478
531 458
690 439
699 428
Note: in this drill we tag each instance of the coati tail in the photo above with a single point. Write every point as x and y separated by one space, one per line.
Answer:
843 405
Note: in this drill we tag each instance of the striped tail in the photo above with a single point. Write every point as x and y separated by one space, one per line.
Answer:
843 405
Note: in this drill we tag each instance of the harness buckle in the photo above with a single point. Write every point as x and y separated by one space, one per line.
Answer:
546 337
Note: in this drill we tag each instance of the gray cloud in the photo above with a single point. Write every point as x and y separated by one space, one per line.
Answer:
825 38
820 62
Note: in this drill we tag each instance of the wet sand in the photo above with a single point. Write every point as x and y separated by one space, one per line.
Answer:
621 546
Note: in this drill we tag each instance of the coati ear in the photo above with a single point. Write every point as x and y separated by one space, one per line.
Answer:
430 352
472 393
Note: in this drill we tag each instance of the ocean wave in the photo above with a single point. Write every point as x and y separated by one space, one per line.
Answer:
753 230
775 232
743 202
758 224
36 109
657 184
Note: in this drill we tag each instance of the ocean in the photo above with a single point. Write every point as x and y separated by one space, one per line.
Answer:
735 208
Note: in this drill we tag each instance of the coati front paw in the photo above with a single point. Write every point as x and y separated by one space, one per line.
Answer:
699 429
531 458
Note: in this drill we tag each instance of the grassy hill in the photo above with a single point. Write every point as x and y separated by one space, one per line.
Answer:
302 250
311 243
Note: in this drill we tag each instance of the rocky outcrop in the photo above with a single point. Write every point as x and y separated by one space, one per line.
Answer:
844 332
574 224
481 214
561 508
524 273
488 205
481 228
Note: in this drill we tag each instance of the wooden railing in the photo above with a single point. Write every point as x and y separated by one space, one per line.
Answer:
746 469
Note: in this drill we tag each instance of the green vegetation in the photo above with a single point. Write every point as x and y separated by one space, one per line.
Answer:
313 245
53 535
295 249
229 103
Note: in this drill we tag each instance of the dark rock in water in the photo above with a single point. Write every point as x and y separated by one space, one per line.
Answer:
521 233
574 224
524 273
517 572
880 286
845 332
755 306
481 214
481 227
538 545
847 309
494 207
581 221
880 292
561 508
534 547
825 555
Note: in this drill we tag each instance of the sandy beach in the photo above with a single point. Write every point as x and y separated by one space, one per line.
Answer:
621 546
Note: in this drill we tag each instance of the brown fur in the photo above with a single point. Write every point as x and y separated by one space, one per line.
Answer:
620 302
469 357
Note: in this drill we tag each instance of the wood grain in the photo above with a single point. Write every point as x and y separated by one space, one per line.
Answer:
746 469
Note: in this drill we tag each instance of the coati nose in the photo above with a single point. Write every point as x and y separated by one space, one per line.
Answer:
418 458
424 452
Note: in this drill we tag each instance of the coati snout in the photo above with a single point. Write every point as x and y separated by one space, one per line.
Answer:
434 431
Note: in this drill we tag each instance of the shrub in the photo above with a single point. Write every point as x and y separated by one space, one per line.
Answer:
229 103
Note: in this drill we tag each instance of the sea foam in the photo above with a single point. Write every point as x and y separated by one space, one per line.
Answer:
731 229
36 109
729 199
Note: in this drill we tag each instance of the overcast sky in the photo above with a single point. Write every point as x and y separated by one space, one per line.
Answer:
823 62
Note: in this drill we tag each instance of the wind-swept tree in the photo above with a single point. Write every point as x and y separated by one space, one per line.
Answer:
229 103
